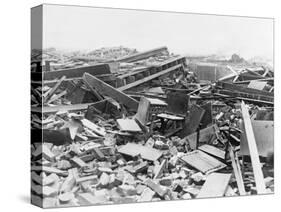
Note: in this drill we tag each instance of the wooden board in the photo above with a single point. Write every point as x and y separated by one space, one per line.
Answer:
149 78
92 126
202 161
211 150
108 90
215 185
250 137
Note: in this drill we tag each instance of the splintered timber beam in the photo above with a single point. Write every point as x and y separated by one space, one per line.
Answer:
142 55
149 78
259 179
52 91
110 91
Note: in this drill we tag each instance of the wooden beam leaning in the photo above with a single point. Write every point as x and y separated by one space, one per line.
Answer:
146 79
110 91
259 179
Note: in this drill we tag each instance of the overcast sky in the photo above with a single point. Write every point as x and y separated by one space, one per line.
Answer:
75 28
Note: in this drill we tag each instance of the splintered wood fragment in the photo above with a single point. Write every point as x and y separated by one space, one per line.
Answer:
250 137
54 98
160 169
155 187
237 172
51 92
78 161
215 185
92 126
98 153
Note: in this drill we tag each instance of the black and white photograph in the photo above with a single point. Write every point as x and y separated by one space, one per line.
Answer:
132 106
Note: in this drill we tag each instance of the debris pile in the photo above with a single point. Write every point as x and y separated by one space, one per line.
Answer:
150 126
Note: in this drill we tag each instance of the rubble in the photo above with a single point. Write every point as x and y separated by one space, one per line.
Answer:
149 126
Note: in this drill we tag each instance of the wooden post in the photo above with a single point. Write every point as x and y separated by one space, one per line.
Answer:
253 150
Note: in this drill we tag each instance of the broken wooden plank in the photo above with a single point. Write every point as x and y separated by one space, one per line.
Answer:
108 90
92 126
237 172
160 169
79 162
202 161
149 78
259 179
214 186
213 151
47 96
54 98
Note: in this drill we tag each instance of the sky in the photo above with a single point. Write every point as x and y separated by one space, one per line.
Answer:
87 28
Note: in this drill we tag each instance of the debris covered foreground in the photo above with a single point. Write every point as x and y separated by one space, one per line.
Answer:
118 126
